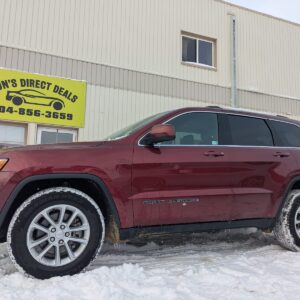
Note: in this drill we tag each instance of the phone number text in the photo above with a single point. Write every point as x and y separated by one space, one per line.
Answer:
36 113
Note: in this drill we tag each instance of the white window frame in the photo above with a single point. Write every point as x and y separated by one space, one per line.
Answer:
40 129
197 39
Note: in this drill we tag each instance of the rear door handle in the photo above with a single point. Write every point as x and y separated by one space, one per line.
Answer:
282 154
214 154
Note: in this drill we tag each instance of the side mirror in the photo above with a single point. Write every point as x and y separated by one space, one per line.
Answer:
160 133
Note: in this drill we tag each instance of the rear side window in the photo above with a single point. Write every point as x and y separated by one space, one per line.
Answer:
288 135
195 128
247 131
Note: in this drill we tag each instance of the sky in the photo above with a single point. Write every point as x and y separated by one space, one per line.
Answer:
286 9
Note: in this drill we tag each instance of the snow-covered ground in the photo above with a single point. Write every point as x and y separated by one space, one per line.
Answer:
226 265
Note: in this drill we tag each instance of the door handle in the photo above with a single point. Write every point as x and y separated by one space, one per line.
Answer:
282 154
214 154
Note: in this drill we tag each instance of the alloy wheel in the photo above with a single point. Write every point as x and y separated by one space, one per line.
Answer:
58 235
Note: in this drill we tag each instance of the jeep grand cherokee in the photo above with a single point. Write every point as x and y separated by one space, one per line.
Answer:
189 170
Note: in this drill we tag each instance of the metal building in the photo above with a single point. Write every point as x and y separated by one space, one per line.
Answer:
140 57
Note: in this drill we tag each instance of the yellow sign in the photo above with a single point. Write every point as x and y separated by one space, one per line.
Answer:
36 98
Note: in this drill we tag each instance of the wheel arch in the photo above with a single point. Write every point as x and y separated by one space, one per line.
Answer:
92 185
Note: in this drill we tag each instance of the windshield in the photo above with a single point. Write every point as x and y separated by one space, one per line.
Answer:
132 128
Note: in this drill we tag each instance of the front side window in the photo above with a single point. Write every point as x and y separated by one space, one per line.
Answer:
288 134
195 129
247 131
198 50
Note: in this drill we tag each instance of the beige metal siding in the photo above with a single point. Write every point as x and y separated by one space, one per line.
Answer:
112 77
144 35
268 55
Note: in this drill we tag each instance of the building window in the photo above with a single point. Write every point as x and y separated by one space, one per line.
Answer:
12 135
198 50
50 135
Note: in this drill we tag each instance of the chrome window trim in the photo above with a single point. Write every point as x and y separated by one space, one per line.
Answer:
229 146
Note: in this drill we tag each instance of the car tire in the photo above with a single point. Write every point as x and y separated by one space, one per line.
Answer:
17 101
57 106
44 221
287 227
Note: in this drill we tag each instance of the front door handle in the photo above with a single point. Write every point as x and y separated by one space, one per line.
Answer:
282 154
214 154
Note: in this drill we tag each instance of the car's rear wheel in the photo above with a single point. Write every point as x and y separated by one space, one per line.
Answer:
57 106
287 228
17 101
55 232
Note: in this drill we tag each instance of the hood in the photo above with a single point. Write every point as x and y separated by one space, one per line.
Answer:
57 157
77 145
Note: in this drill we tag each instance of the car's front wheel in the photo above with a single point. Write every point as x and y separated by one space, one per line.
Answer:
55 232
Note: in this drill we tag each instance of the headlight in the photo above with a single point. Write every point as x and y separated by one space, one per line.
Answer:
3 162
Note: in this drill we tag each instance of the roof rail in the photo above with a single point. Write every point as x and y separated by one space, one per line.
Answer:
281 116
213 106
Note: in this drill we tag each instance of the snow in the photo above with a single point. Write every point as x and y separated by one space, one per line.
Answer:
237 264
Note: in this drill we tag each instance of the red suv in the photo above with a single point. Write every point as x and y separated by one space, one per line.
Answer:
189 170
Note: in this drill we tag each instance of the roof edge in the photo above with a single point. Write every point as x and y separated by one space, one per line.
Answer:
258 12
